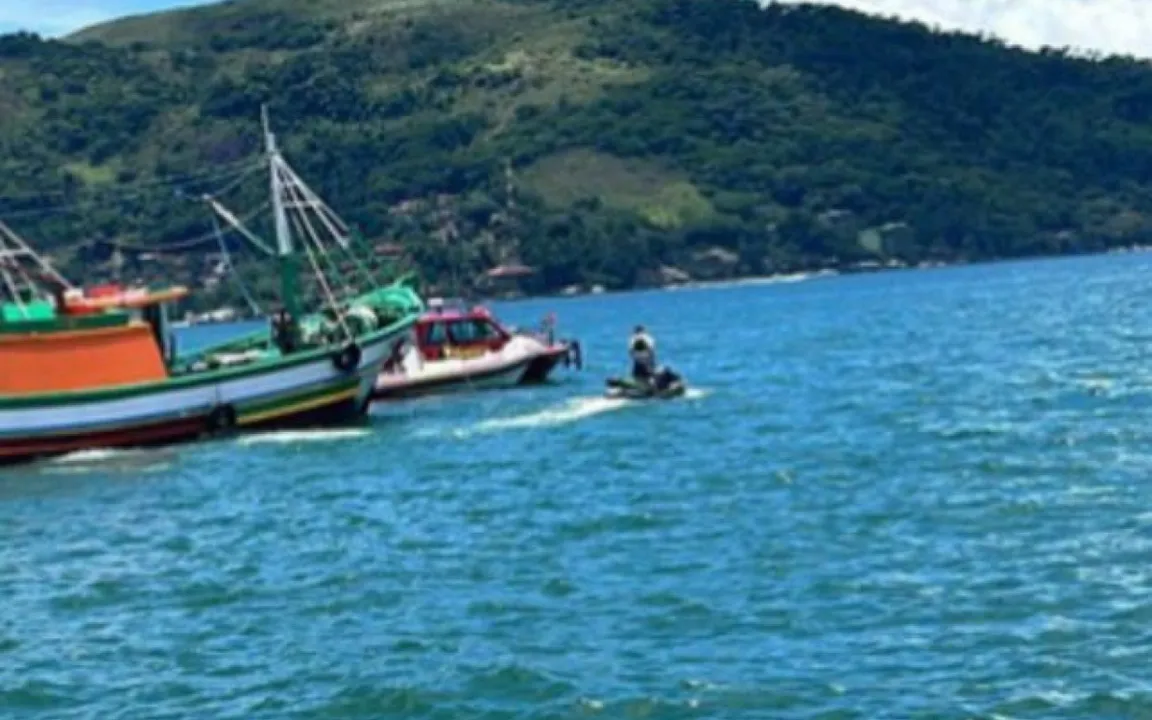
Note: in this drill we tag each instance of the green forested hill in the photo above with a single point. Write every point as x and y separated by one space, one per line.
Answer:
719 137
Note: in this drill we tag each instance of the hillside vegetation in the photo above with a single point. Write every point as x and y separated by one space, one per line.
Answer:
718 137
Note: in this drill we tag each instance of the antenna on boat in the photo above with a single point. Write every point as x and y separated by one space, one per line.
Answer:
283 233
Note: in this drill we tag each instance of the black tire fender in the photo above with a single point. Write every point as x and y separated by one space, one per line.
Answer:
221 419
347 360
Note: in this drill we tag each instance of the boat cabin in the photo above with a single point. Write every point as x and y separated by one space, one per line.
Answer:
458 333
106 337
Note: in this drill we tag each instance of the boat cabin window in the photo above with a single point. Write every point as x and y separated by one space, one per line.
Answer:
437 334
467 332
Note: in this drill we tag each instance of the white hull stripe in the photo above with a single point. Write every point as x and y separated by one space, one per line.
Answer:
443 383
168 414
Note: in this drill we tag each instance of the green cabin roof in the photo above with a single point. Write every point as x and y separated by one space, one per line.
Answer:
39 316
33 311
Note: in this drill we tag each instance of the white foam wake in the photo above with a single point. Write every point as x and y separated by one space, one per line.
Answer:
569 412
300 436
134 459
564 413
92 456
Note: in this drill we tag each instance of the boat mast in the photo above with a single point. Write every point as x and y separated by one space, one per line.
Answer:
283 233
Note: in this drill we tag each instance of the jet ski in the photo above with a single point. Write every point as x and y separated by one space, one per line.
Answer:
666 383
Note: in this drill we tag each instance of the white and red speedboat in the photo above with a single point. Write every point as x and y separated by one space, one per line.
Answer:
458 349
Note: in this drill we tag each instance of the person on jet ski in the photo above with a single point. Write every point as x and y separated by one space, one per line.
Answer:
642 349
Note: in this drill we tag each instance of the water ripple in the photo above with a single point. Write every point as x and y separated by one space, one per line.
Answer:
917 495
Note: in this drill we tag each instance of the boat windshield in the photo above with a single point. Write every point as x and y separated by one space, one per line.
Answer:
472 331
437 334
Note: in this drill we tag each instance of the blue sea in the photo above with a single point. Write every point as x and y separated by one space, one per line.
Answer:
917 494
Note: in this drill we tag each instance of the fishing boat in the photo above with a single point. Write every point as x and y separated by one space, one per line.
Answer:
96 368
453 347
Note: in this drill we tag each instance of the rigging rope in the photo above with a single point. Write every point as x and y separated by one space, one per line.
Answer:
323 282
239 226
99 202
177 246
319 274
242 176
329 218
297 203
232 271
222 170
8 236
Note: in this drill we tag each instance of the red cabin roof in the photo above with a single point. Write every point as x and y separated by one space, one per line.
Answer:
454 329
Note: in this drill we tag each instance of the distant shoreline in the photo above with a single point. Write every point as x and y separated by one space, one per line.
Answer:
750 280
810 275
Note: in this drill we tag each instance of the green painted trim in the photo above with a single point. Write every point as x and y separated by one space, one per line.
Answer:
208 377
263 406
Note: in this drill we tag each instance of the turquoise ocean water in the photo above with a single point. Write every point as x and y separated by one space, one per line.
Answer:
908 495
